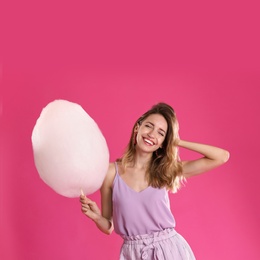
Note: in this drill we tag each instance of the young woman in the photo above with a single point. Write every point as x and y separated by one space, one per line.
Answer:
134 194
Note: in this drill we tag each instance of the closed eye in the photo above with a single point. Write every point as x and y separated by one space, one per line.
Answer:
162 134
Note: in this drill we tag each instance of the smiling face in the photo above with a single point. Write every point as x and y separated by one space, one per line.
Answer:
151 133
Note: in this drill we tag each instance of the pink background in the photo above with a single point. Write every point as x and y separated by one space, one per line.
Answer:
116 59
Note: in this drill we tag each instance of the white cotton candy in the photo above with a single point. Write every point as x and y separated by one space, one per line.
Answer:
70 152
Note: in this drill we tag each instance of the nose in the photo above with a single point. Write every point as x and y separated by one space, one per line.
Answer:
151 133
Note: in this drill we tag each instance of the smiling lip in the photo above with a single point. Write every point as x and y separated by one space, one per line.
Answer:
148 141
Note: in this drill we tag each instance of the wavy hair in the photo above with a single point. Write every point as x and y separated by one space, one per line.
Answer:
165 168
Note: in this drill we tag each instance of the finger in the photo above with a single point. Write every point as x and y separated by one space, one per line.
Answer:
89 214
85 199
82 199
85 209
89 201
85 206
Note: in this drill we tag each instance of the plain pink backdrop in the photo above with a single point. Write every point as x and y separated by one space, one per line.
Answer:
116 60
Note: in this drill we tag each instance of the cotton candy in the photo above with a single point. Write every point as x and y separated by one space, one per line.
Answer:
70 152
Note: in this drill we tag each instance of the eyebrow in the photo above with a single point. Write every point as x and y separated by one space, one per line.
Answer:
153 125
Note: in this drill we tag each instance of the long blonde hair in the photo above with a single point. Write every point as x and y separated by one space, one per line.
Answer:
165 169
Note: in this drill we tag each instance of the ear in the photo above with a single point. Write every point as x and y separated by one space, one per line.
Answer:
136 128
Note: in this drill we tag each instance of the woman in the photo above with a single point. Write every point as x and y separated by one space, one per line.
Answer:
134 194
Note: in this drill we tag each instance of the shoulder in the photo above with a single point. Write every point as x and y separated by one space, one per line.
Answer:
110 175
111 170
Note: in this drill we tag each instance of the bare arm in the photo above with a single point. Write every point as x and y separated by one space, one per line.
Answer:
90 209
212 158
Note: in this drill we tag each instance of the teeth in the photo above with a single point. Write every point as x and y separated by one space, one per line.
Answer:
148 141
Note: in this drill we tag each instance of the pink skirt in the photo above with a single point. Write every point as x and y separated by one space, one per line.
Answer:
162 245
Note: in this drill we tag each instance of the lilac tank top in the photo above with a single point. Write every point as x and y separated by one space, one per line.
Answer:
138 213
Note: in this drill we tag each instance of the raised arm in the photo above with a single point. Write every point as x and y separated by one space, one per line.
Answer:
212 158
90 209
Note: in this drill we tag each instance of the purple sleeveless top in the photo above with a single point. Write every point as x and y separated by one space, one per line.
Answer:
138 213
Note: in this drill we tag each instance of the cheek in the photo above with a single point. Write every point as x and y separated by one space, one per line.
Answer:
161 140
138 136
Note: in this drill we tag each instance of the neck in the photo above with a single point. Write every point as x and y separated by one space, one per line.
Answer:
142 160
